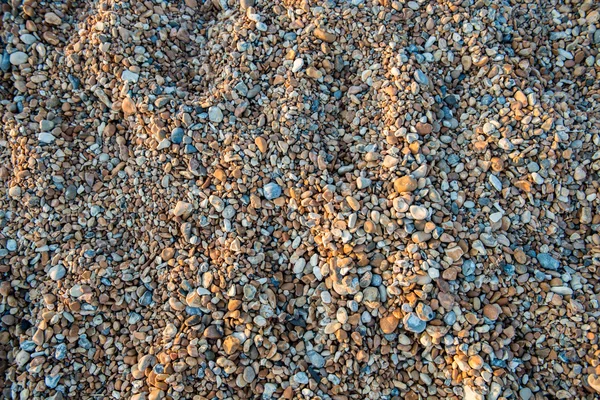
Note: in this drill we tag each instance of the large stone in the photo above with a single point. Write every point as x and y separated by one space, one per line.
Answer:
405 184
389 323
18 58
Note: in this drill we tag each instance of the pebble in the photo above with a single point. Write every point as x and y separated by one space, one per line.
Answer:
46 138
272 191
261 143
548 262
177 135
594 381
298 64
57 272
405 184
413 323
130 76
317 360
215 114
18 58
52 19
419 212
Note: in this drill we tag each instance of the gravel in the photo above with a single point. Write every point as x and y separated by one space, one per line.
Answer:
361 199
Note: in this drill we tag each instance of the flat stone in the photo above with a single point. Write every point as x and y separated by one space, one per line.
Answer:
57 272
272 191
405 184
46 138
215 114
18 58
548 262
130 76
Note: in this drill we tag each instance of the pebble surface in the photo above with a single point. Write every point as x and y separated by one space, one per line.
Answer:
363 199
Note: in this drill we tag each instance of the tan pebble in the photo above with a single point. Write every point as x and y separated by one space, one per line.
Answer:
594 381
389 323
231 344
220 175
52 19
520 97
476 362
520 256
261 143
167 253
405 184
128 106
324 35
313 73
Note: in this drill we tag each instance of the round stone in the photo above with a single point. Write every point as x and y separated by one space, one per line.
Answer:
18 58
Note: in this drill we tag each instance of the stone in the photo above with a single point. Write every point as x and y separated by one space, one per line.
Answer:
390 162
272 191
424 128
261 144
298 64
419 212
129 76
46 138
57 272
491 311
18 58
128 106
413 323
405 184
317 360
215 114
471 394
421 78
177 135
548 262
183 209
362 182
325 36
231 344
52 19
594 381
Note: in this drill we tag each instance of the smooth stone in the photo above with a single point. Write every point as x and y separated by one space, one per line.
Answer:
18 58
421 78
46 137
57 272
177 135
317 360
301 378
594 381
362 182
129 76
183 209
215 114
471 394
413 323
405 184
71 192
271 191
419 212
495 182
298 64
11 245
548 262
